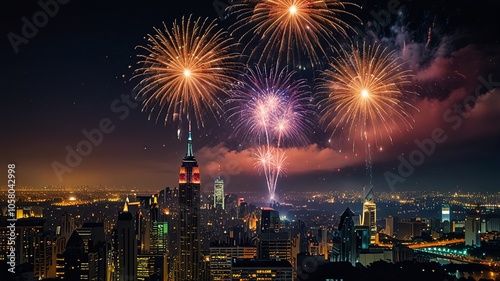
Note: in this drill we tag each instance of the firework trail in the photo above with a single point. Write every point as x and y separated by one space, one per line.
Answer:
284 31
184 68
272 109
365 93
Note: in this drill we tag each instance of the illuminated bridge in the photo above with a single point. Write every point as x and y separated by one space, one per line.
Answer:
437 244
428 244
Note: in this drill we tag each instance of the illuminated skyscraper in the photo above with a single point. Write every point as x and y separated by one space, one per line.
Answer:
446 218
348 236
261 270
221 259
219 193
152 267
189 214
445 213
370 215
158 230
126 246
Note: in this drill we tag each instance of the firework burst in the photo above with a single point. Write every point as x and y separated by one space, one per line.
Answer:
290 29
185 68
366 93
273 110
270 106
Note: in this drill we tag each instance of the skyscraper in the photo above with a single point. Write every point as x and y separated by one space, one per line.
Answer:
158 230
348 237
81 262
127 246
472 229
189 214
270 220
446 218
390 222
370 215
219 193
445 213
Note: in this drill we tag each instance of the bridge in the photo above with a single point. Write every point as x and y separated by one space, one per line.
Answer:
413 245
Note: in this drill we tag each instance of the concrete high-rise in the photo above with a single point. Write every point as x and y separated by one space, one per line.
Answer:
189 257
370 215
472 230
391 225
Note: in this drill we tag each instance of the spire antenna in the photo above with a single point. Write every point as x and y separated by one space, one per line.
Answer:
189 152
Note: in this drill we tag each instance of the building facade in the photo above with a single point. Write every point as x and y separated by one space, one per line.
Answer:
189 258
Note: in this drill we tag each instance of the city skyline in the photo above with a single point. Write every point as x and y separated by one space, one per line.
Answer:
71 83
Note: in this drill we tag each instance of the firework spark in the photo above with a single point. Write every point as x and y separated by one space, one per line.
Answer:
290 29
272 162
185 68
366 92
272 106
274 110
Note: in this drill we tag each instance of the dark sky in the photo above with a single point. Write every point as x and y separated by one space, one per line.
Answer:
74 74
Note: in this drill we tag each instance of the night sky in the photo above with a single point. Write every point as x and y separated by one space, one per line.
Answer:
74 75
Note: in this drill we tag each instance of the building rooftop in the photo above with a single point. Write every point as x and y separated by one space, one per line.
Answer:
261 263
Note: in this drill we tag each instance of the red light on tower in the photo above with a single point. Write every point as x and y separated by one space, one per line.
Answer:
182 175
196 175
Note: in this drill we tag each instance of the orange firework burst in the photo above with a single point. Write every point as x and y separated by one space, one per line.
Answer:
185 68
366 91
289 29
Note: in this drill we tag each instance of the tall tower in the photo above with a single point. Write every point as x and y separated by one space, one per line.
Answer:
348 236
445 213
189 215
446 218
370 215
127 246
473 229
219 193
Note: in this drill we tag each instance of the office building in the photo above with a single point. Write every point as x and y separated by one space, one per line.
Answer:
348 237
472 230
189 258
369 217
219 193
270 220
126 255
253 270
221 260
